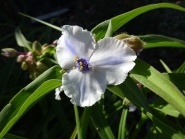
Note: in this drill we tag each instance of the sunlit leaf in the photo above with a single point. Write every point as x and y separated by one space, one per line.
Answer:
155 81
181 69
154 41
122 123
109 30
130 90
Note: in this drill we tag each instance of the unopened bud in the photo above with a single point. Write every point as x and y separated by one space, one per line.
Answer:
36 74
32 76
133 42
44 45
41 66
55 42
29 54
29 59
9 52
49 50
139 85
21 58
122 36
24 65
37 46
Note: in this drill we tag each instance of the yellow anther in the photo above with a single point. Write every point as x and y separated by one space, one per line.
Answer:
76 58
81 67
74 67
80 63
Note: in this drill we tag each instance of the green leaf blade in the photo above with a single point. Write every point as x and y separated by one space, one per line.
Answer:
40 21
120 20
155 41
21 40
155 81
27 97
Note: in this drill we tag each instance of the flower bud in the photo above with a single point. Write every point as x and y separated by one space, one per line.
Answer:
29 54
24 66
21 58
37 46
133 42
36 74
41 66
36 53
9 52
49 50
122 36
55 42
29 59
32 76
44 45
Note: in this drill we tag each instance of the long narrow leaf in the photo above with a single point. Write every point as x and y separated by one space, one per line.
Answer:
120 20
155 81
45 23
122 124
154 41
177 78
100 123
27 97
109 30
21 40
164 131
18 106
130 90
85 121
165 66
181 69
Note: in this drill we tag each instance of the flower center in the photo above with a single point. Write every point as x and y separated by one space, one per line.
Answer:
82 64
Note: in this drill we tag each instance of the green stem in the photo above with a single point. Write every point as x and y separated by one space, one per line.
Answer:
77 122
122 125
139 126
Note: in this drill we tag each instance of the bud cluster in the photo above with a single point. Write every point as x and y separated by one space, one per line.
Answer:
38 60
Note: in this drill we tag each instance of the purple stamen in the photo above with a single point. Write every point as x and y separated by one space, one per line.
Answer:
83 65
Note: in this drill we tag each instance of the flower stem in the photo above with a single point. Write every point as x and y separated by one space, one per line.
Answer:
77 122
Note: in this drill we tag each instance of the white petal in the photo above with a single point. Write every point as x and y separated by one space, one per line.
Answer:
132 108
57 92
114 59
74 42
84 89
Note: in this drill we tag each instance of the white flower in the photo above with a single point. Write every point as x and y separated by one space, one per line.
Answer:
57 92
91 65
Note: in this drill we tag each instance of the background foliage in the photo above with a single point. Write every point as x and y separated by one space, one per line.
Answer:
56 119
